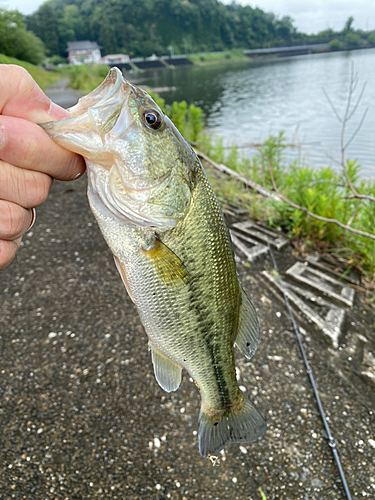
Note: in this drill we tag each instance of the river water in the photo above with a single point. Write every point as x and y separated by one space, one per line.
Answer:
244 103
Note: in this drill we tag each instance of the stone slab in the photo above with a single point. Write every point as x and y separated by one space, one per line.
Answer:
251 252
322 282
331 325
316 261
262 234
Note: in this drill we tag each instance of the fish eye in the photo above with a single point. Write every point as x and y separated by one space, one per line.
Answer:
152 118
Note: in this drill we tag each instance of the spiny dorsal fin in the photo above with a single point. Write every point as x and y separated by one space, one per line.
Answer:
167 372
168 264
248 334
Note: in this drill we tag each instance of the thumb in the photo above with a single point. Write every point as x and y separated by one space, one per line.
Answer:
21 97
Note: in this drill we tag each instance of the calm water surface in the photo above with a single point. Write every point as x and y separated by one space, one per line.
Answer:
245 103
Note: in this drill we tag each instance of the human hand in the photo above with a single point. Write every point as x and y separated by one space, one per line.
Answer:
29 159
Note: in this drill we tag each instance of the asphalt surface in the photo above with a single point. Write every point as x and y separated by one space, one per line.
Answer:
82 417
63 95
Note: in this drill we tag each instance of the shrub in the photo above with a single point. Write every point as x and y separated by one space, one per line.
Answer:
353 40
334 44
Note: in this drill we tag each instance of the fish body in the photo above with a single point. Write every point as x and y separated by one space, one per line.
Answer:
160 217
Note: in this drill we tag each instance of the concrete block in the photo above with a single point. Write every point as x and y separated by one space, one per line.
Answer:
322 282
252 249
260 233
331 325
317 262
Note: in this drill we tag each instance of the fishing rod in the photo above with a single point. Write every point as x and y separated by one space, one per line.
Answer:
330 438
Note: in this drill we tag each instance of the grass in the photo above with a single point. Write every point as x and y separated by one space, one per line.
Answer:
262 495
42 77
322 191
86 77
226 56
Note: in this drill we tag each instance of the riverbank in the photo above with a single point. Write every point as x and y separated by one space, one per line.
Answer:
211 58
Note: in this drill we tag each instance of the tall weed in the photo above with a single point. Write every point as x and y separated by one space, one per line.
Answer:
323 192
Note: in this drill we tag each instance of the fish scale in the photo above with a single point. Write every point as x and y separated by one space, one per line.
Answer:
159 215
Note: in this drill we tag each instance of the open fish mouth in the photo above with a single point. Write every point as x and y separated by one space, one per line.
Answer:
98 111
111 90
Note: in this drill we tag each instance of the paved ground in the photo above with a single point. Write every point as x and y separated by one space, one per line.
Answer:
63 95
82 417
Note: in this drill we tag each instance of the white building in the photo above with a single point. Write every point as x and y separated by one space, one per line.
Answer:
112 59
83 52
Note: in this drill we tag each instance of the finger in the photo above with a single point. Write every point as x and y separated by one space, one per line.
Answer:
8 250
26 145
21 97
23 187
14 220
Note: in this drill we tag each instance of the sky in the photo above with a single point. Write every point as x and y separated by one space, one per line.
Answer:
310 16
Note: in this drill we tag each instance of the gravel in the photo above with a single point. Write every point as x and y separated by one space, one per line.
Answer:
82 417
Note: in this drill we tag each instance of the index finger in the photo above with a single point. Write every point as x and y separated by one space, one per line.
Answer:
24 144
21 97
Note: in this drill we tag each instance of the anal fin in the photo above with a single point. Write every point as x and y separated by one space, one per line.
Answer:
167 372
248 333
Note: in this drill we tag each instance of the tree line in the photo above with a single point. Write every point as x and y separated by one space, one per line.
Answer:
154 26
151 26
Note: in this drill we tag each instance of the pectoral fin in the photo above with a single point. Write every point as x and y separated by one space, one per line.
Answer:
168 264
167 372
248 334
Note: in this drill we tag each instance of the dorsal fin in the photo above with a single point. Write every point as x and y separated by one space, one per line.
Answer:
248 333
167 372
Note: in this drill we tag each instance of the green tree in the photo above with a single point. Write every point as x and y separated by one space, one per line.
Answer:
348 25
45 24
353 40
151 26
16 41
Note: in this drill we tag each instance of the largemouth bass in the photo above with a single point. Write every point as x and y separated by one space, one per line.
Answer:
162 221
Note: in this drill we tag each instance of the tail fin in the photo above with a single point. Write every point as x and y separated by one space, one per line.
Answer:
241 424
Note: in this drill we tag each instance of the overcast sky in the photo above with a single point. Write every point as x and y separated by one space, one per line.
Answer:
310 16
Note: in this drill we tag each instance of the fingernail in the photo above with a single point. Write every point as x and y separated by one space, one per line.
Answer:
56 112
2 135
79 175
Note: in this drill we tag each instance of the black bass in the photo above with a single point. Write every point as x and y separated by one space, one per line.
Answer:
162 221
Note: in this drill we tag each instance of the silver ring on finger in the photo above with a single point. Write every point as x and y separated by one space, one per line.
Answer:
33 219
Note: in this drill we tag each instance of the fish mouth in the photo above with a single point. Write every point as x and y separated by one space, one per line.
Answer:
109 91
95 115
